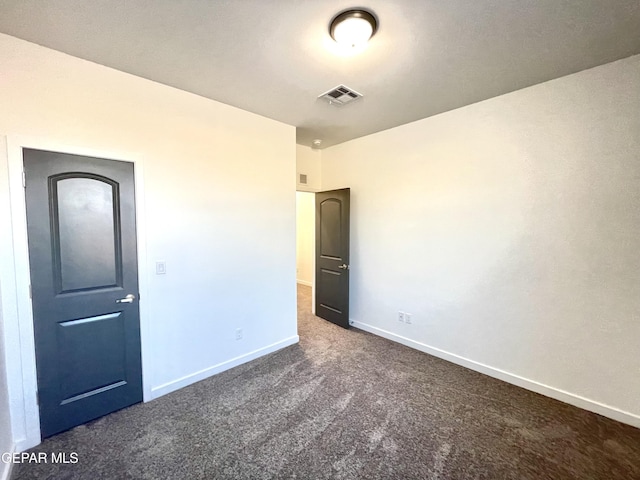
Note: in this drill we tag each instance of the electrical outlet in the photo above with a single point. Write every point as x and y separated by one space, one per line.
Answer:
407 317
238 334
401 317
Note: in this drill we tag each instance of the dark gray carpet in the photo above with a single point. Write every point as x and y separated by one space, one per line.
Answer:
347 405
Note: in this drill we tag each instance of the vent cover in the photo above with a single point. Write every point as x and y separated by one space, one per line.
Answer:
340 95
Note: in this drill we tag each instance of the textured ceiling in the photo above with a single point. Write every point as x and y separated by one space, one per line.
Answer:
275 57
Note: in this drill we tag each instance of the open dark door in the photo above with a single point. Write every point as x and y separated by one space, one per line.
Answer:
332 256
81 229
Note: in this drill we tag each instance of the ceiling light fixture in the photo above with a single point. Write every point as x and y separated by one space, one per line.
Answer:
353 28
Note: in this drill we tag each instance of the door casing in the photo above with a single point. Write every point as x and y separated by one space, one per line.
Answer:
15 279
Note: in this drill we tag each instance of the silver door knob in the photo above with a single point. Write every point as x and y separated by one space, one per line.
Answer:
343 266
128 299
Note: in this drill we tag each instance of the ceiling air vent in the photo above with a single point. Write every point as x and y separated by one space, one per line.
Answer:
340 95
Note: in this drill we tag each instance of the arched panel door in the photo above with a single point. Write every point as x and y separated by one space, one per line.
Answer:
84 277
332 256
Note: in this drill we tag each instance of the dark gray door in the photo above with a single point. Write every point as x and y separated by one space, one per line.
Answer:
332 256
82 250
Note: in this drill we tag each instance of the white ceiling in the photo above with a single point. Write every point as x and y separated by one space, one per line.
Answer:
274 57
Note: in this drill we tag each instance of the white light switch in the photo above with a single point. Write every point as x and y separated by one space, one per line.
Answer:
161 268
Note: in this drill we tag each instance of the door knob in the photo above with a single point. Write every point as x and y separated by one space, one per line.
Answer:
343 266
128 299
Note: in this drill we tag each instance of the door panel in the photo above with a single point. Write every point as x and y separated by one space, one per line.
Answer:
330 233
102 359
83 214
82 253
332 256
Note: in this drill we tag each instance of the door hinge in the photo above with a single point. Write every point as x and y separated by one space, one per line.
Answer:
24 179
30 293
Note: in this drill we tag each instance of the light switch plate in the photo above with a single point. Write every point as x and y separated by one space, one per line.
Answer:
161 268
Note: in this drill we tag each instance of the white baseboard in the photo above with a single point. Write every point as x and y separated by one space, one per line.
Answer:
24 444
557 394
179 383
303 282
6 468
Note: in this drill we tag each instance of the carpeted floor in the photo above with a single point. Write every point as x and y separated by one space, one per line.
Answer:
346 405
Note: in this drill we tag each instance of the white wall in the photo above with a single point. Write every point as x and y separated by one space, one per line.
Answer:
306 228
308 163
216 203
510 230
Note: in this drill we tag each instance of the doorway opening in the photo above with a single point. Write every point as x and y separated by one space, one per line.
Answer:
322 258
305 248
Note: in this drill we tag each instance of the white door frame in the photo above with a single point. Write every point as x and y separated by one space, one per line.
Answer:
15 302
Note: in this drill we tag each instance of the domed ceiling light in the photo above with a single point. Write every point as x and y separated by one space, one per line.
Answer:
353 28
